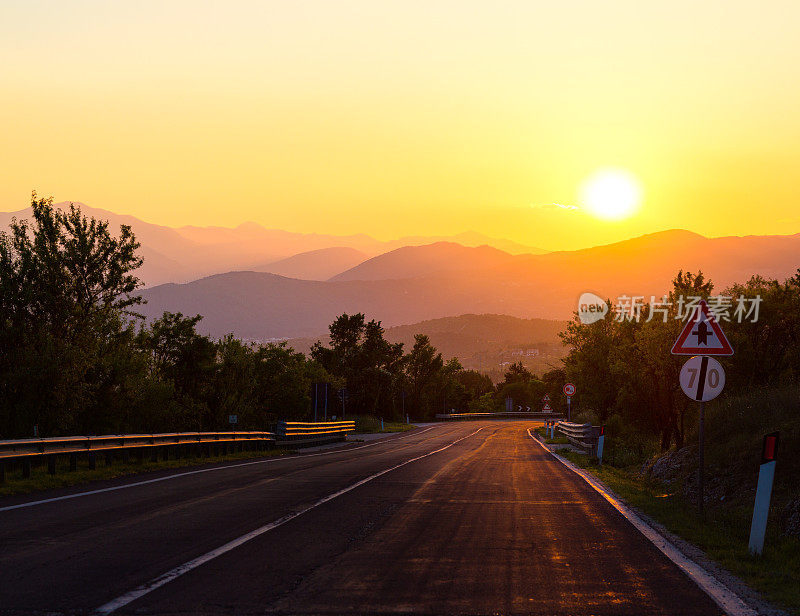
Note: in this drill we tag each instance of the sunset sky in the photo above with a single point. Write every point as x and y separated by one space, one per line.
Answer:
400 118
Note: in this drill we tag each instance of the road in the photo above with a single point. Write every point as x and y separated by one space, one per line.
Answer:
472 518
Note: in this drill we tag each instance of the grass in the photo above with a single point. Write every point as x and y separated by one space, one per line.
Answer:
560 439
368 424
40 479
723 535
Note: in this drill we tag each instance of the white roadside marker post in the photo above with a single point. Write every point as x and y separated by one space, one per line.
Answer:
766 475
600 441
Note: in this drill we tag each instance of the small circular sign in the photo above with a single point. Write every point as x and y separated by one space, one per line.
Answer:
702 378
569 389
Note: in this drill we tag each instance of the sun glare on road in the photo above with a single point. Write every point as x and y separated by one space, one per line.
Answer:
611 194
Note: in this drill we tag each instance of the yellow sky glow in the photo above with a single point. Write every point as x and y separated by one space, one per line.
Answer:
396 118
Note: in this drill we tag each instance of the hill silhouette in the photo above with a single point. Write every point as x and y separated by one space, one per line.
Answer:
315 264
415 261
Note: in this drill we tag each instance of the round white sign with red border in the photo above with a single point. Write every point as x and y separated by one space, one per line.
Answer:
569 390
702 378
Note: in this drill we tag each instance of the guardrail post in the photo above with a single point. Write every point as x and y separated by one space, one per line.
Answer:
73 462
109 458
51 464
165 452
26 468
92 460
2 471
154 454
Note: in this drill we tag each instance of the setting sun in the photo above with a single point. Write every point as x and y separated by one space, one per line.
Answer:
611 194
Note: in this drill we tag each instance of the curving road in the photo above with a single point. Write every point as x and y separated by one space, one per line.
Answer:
468 518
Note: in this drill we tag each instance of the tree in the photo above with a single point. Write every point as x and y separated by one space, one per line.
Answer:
67 288
421 370
624 366
360 356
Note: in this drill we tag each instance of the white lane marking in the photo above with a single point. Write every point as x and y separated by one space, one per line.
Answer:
726 599
178 571
201 470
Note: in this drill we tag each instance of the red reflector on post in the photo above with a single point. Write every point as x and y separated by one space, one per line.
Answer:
770 449
602 430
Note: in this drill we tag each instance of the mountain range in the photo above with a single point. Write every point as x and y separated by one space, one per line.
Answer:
461 280
182 254
272 284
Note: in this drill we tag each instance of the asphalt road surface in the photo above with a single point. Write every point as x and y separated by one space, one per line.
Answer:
472 518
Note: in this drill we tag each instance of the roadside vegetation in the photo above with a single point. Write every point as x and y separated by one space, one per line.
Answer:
559 439
369 424
627 380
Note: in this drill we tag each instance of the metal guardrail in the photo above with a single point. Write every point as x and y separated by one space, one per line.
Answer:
306 433
171 444
581 435
519 414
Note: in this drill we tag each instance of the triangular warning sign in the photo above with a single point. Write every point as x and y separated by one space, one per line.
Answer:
702 335
546 398
546 408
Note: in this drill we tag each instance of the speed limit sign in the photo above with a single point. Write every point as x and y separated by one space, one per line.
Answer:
702 378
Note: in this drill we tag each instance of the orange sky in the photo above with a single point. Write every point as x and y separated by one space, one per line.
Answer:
396 118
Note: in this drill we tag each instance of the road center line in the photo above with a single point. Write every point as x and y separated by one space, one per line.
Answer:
199 471
730 602
178 571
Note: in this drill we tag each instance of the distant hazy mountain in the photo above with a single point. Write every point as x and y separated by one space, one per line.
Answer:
167 254
187 253
434 259
315 264
471 239
261 306
279 243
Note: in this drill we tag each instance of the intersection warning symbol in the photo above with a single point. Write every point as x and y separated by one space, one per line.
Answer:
702 335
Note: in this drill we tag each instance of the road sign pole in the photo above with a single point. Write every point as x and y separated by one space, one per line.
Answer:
569 408
701 464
